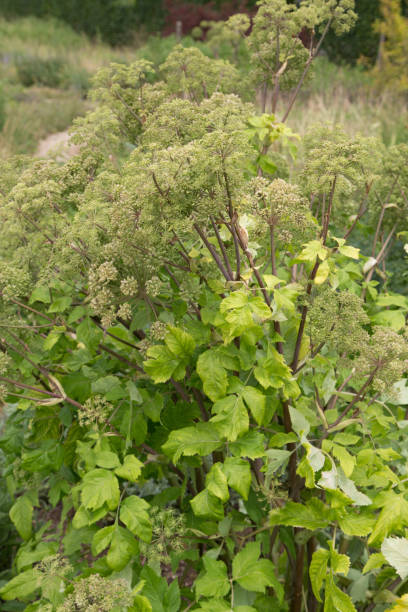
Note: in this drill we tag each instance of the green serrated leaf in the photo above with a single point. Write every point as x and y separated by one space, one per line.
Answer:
106 459
250 445
213 582
347 461
98 487
299 423
393 514
21 514
200 439
337 599
21 586
272 371
60 304
134 514
281 439
356 524
312 250
276 459
216 482
322 273
131 468
238 474
162 363
207 505
318 570
89 334
375 561
256 402
313 515
212 374
231 417
84 517
395 551
179 342
102 539
349 251
40 294
27 556
339 563
252 573
122 548
214 605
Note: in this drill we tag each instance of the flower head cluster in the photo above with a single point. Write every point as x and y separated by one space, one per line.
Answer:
221 34
158 330
102 292
124 90
339 164
5 362
98 594
94 411
14 281
55 565
3 393
277 53
168 530
281 206
391 189
189 73
153 286
337 318
385 356
129 286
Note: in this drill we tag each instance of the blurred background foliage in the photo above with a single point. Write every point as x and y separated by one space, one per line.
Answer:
115 21
49 50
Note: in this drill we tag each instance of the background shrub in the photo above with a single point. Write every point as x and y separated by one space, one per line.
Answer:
31 70
112 21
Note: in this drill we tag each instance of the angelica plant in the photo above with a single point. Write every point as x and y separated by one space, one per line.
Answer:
205 371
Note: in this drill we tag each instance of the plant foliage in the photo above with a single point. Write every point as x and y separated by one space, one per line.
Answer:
205 377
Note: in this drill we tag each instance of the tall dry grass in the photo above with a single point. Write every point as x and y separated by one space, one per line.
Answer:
348 96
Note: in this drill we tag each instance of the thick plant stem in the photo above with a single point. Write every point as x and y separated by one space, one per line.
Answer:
20 385
381 217
276 324
357 398
199 478
236 248
306 70
231 227
325 230
361 211
272 247
213 252
297 596
302 325
264 97
379 258
327 216
222 247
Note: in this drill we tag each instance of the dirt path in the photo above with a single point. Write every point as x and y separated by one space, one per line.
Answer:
57 146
